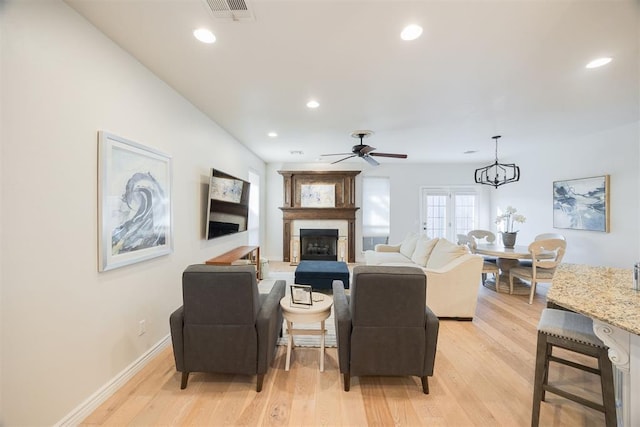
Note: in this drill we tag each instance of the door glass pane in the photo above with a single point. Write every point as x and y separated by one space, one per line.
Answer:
465 208
436 221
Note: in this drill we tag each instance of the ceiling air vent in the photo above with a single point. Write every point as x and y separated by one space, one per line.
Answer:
231 10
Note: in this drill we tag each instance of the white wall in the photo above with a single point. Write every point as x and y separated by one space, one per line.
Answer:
614 152
67 330
406 179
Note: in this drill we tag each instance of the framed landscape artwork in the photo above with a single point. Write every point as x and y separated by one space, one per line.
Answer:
582 204
134 197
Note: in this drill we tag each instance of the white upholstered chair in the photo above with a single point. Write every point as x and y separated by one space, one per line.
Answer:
488 267
545 257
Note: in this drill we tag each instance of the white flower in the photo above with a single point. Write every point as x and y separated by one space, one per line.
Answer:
509 218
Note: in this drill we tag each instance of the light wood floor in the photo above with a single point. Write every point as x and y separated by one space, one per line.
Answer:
483 377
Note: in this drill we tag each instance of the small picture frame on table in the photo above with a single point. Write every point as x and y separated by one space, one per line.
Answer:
301 295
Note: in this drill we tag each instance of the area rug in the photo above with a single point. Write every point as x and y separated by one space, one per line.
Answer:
301 340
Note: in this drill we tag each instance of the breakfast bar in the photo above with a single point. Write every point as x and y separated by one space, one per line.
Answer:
605 294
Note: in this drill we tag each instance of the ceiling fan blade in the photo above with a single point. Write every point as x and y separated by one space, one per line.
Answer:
397 156
370 160
348 157
337 154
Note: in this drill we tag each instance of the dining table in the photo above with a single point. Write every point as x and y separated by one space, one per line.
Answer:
507 258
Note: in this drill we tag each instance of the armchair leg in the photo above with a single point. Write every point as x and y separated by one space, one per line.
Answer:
347 381
185 378
259 383
425 384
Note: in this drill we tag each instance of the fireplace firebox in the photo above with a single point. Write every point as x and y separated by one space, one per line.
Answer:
318 244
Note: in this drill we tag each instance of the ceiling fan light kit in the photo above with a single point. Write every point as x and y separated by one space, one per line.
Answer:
364 151
497 174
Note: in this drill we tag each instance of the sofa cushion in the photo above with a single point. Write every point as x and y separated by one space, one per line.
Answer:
444 253
377 258
408 245
424 247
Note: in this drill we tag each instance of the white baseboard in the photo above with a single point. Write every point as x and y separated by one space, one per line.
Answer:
85 409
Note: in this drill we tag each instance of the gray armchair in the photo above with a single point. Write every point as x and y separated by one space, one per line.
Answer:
225 325
384 327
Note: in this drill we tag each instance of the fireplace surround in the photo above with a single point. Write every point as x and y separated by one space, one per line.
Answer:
344 204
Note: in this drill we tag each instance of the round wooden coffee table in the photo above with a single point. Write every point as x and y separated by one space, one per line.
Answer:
318 312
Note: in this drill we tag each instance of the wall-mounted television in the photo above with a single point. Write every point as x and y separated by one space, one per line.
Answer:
228 210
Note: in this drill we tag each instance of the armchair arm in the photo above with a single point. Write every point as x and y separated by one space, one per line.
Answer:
268 325
342 314
381 247
176 323
432 326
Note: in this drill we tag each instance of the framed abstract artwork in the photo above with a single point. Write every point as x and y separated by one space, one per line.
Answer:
317 195
134 197
582 204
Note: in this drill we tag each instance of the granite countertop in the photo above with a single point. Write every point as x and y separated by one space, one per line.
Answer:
602 293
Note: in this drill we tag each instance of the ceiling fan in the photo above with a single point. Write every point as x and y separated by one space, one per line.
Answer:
364 151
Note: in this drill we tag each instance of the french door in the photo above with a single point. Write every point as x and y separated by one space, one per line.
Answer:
446 212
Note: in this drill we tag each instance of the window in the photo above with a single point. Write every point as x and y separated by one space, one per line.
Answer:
375 211
447 212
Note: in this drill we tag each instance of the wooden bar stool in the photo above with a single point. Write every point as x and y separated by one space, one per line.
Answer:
574 332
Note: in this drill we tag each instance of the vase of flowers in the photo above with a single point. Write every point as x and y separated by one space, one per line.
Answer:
507 220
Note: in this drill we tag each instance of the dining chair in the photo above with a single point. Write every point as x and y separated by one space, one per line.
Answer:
484 236
546 255
543 236
488 267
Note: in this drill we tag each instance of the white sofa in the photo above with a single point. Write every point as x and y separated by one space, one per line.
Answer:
453 273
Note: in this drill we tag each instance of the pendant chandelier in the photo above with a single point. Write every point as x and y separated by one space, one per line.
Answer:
497 174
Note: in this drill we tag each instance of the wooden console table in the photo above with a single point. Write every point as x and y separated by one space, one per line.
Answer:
249 253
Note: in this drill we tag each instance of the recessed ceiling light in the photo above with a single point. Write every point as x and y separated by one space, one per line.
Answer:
313 104
598 62
204 35
411 32
272 134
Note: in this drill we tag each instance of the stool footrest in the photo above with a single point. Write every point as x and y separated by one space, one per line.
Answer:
574 397
574 365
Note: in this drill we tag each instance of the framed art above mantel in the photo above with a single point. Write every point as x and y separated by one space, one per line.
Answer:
582 204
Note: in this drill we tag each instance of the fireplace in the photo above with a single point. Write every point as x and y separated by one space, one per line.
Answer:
318 244
297 215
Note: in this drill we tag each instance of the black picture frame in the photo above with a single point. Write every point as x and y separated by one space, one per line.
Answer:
301 295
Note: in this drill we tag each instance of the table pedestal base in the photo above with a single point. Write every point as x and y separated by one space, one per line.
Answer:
519 287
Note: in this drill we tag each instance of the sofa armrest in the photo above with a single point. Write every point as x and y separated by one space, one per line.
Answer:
176 323
381 247
342 315
432 326
269 325
452 291
456 263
